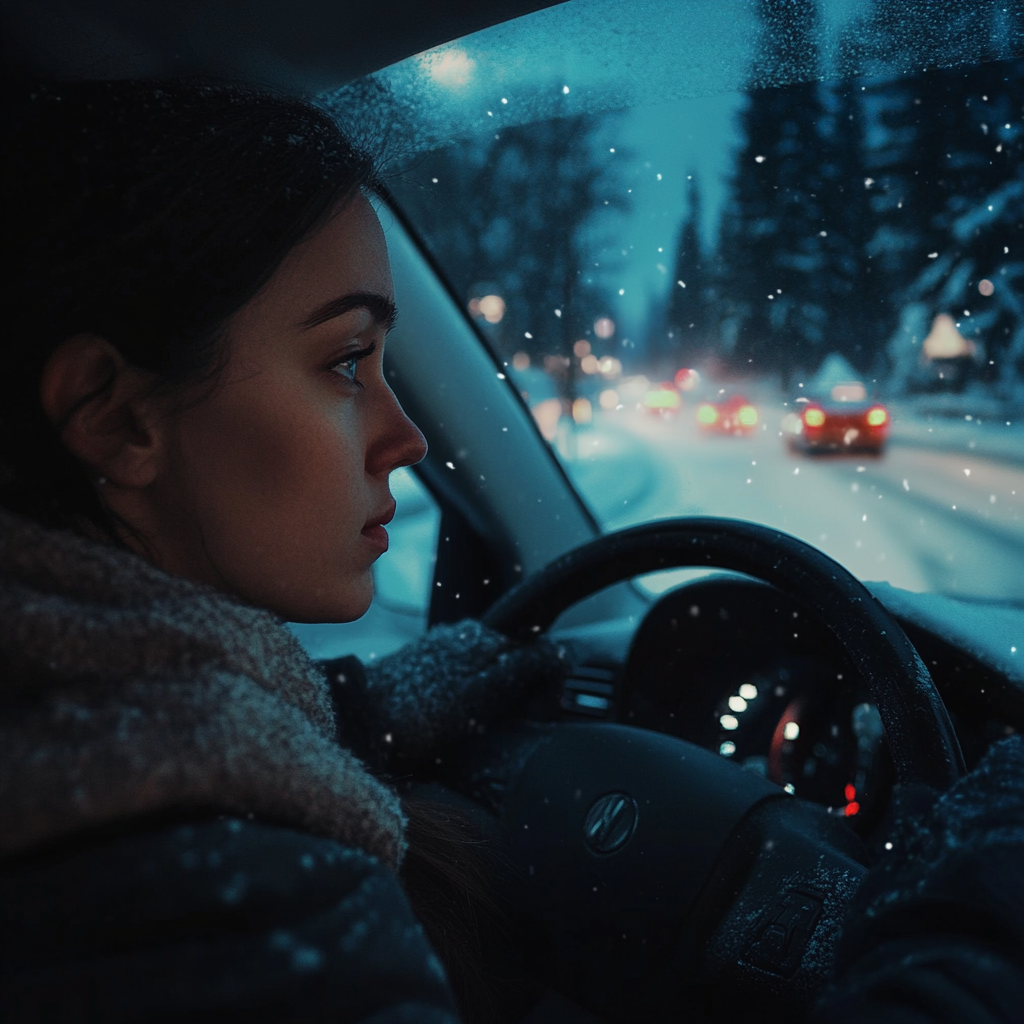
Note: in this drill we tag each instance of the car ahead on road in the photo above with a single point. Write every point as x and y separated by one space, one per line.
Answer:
690 881
845 422
662 399
735 416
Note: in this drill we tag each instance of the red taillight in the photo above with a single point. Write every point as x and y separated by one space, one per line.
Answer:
814 417
877 417
747 416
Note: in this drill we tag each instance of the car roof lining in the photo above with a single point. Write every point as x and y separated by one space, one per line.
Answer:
303 46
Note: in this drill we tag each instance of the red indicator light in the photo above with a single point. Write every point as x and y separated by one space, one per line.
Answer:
852 808
850 792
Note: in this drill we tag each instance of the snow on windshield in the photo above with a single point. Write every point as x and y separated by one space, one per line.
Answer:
590 56
799 305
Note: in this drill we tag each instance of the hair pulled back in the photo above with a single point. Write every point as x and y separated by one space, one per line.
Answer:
147 213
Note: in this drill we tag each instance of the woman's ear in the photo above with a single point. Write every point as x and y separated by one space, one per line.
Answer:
104 409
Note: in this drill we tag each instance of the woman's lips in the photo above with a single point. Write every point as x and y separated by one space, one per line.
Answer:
374 531
377 537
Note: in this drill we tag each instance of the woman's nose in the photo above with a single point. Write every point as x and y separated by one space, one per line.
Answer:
400 441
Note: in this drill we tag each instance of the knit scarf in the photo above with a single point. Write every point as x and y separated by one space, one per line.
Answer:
126 691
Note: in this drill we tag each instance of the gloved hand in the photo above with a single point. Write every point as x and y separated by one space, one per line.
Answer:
935 934
453 681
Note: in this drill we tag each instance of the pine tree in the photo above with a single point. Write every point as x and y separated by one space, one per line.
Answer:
522 201
852 294
689 318
772 252
949 200
951 211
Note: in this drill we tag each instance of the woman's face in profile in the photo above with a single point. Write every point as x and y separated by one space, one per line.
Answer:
274 487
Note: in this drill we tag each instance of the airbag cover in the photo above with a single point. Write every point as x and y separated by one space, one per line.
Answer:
622 826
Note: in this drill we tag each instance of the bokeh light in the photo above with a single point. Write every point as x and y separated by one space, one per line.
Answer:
452 68
492 308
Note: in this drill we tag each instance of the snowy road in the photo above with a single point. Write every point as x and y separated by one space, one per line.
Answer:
914 518
920 518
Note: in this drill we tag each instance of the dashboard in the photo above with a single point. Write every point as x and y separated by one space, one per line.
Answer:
737 667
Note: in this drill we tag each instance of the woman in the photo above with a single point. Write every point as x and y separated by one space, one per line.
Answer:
195 442
195 446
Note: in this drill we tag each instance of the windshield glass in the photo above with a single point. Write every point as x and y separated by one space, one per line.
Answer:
751 260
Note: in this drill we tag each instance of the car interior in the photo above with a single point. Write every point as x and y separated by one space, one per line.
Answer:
743 717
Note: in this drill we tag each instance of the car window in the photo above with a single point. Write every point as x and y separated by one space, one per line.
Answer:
749 260
402 580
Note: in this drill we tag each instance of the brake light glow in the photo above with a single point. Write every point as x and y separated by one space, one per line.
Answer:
814 417
707 414
747 416
687 380
662 398
877 416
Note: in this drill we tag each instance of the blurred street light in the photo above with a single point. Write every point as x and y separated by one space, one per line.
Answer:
492 308
582 411
452 68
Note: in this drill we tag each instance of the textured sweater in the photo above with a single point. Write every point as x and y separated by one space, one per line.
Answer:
171 777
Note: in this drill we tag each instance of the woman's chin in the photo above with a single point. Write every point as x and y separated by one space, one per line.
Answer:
344 603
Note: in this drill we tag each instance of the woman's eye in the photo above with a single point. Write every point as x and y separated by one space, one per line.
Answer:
347 367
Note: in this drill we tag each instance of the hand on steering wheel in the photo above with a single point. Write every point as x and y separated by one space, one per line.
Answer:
671 863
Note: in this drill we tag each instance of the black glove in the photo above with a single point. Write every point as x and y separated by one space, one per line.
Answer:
936 931
451 682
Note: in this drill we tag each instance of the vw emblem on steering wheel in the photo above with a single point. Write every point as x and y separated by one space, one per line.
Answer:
610 822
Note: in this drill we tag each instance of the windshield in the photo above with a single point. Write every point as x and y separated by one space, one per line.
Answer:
751 260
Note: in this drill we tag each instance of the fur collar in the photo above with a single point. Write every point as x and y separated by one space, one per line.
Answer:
124 690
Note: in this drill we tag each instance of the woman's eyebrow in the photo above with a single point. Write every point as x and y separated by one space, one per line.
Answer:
380 307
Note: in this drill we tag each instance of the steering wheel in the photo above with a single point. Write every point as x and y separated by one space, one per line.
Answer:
701 883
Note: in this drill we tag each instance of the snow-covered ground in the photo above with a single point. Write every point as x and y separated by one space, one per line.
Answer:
997 436
942 510
932 514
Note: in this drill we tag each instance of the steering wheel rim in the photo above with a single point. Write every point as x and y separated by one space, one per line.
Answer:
923 745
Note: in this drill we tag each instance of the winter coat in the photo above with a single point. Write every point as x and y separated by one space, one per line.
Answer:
182 835
935 934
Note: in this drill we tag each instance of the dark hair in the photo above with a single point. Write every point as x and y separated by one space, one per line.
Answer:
147 213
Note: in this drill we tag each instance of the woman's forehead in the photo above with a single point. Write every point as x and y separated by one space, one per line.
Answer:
347 254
